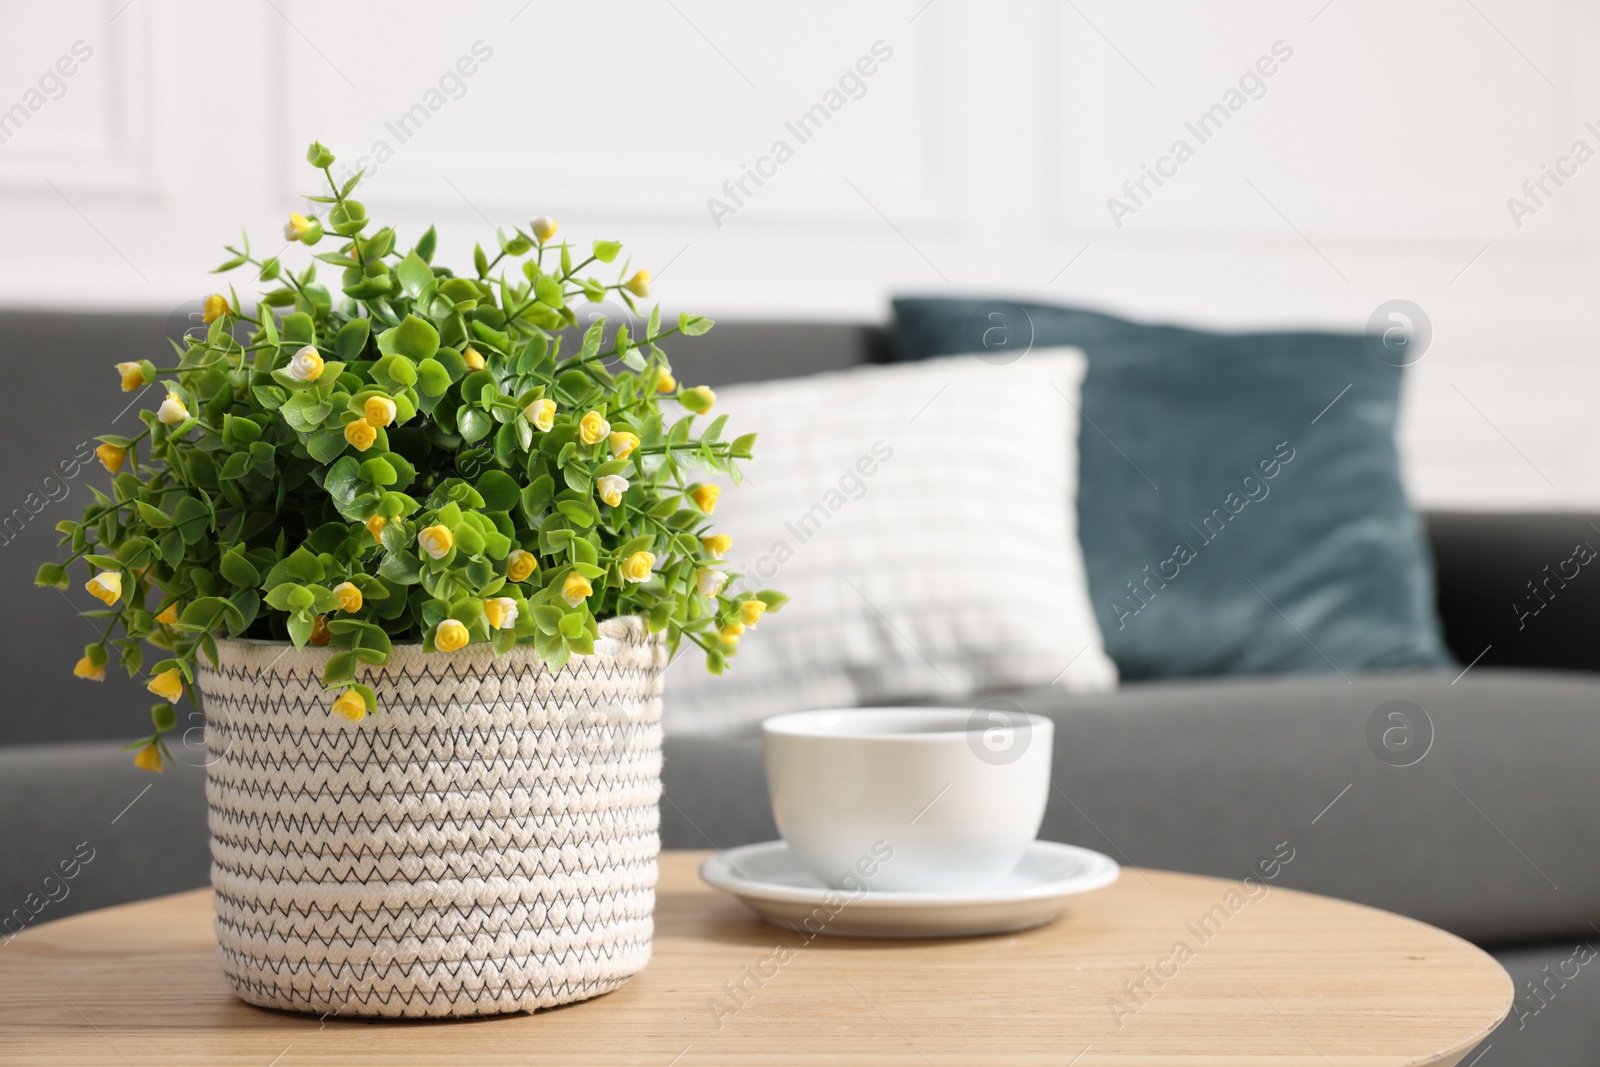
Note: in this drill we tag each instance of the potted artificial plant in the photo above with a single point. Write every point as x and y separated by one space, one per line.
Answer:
422 569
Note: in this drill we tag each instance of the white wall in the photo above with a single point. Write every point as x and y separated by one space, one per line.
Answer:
980 156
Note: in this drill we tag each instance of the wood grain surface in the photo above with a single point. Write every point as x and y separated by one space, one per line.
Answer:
1285 978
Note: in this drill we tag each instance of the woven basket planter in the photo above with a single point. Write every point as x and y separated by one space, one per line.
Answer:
486 842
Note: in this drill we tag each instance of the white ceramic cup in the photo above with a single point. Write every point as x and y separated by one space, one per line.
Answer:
908 799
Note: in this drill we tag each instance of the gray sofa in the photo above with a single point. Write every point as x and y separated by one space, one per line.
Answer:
1490 834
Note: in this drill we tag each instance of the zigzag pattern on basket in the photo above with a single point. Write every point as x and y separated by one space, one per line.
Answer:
435 926
485 842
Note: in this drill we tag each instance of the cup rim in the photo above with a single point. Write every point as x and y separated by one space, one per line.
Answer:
808 724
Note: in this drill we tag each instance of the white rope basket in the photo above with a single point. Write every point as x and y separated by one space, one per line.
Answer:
485 842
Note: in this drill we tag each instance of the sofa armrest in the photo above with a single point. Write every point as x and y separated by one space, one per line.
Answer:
1475 836
87 829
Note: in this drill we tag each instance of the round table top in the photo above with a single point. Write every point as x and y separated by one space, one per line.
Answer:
1158 969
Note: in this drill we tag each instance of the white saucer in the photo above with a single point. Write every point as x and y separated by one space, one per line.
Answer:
769 879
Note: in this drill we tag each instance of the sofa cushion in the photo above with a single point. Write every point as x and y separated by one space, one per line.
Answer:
920 516
1240 503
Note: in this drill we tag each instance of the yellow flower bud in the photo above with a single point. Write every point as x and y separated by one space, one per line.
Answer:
84 668
306 366
111 457
148 759
611 487
705 497
709 581
544 228
450 635
216 306
168 685
436 541
106 586
698 400
349 596
380 410
520 565
375 527
169 614
473 358
172 410
750 612
321 636
623 443
351 706
639 284
593 428
132 376
542 413
716 545
638 567
665 382
731 632
501 611
297 226
575 589
361 434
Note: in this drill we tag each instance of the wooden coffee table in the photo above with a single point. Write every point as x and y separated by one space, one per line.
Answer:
1287 978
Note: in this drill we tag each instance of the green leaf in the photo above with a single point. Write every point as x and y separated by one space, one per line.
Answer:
606 251
506 440
52 574
154 516
343 481
163 716
432 378
577 478
693 325
238 570
499 490
304 566
402 567
298 330
351 340
582 514
416 338
536 496
473 424
202 614
305 413
245 605
340 669
641 543
395 372
414 274
263 457
469 540
379 471
300 626
325 445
